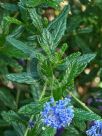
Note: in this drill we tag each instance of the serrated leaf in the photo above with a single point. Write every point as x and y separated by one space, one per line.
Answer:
75 64
85 115
21 78
86 58
36 19
10 116
46 41
20 45
35 91
58 26
48 132
68 60
70 69
32 68
29 109
83 61
33 108
7 98
34 3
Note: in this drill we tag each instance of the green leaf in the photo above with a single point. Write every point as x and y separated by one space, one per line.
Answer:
48 132
21 78
9 6
36 91
17 32
3 123
9 61
9 133
85 115
73 23
75 64
63 49
10 116
81 125
85 30
11 51
69 60
80 43
37 21
71 131
29 109
19 128
58 26
33 108
7 98
46 41
53 4
34 3
71 69
83 61
12 20
20 45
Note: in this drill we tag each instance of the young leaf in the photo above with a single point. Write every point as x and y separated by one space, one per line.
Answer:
12 20
46 41
58 26
37 21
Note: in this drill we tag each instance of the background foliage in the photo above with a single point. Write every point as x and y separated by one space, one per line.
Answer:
44 49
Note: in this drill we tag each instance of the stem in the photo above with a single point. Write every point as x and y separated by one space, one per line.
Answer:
80 102
43 92
31 118
18 95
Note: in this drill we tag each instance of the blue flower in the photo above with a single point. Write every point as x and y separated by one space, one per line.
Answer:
57 114
96 129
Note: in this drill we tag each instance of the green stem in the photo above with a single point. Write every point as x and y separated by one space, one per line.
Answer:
18 95
31 118
43 92
81 103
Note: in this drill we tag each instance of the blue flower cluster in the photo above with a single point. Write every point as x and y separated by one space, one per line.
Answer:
57 114
96 129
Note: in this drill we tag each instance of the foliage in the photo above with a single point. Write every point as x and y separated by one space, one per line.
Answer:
41 58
